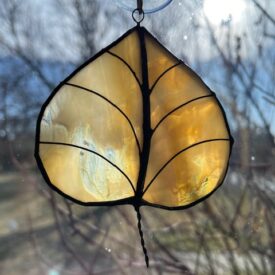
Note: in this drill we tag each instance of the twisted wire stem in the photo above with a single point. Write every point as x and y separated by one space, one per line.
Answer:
141 236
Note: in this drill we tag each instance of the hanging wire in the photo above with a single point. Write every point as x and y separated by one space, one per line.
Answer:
138 13
139 6
141 236
146 9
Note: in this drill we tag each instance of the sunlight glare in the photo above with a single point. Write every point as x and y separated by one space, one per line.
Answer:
218 11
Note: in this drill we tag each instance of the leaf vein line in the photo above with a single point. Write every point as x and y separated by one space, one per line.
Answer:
114 105
128 66
91 151
180 106
177 154
163 74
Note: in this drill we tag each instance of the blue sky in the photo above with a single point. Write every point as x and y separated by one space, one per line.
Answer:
183 31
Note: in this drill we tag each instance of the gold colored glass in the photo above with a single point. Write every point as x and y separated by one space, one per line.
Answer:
83 175
91 132
183 128
192 175
128 49
178 86
157 60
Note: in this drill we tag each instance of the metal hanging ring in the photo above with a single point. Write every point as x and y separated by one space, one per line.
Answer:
137 13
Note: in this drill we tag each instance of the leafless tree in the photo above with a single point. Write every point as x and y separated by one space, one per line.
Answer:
231 232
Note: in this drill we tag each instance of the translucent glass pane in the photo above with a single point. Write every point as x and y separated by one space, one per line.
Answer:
191 175
84 119
129 50
197 121
110 77
176 87
83 175
158 59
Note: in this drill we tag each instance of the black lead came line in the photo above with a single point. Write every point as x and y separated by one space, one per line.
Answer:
128 66
164 73
177 154
147 134
180 106
103 97
91 151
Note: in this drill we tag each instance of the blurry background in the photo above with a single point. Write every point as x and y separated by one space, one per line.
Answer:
231 45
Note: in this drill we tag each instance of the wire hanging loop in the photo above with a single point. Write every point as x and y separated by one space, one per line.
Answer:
137 15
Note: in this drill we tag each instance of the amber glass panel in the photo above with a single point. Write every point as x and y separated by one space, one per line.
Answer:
81 118
158 59
110 77
129 50
83 175
197 121
191 175
177 86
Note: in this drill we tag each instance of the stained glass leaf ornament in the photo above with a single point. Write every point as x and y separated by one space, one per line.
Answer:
133 125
